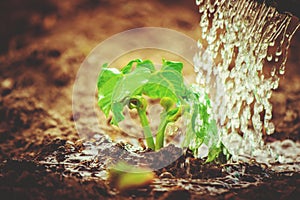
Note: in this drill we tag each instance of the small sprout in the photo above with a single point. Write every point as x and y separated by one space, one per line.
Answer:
167 103
138 103
129 86
126 177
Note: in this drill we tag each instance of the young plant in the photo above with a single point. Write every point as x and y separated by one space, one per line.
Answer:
130 86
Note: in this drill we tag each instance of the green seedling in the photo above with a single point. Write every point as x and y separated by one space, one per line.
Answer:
138 81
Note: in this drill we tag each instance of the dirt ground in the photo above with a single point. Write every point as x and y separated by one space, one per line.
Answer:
43 43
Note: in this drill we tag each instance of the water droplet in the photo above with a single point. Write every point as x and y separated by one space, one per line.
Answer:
269 57
273 71
278 51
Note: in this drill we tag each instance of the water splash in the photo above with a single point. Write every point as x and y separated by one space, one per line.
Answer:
242 54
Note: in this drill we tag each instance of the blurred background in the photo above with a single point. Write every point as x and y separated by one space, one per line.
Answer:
24 20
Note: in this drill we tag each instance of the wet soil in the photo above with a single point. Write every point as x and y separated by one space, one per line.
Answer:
41 154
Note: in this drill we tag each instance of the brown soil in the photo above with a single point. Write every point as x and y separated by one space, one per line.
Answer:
42 47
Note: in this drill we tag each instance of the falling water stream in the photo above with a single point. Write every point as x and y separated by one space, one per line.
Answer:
243 50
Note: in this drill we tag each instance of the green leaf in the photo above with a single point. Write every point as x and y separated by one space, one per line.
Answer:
107 79
167 82
178 66
129 85
127 69
167 103
212 140
202 129
139 63
146 64
218 154
124 176
144 80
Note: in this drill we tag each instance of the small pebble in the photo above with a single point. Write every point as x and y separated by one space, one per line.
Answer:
7 86
290 116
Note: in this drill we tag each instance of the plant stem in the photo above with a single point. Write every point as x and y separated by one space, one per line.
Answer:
161 133
146 128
